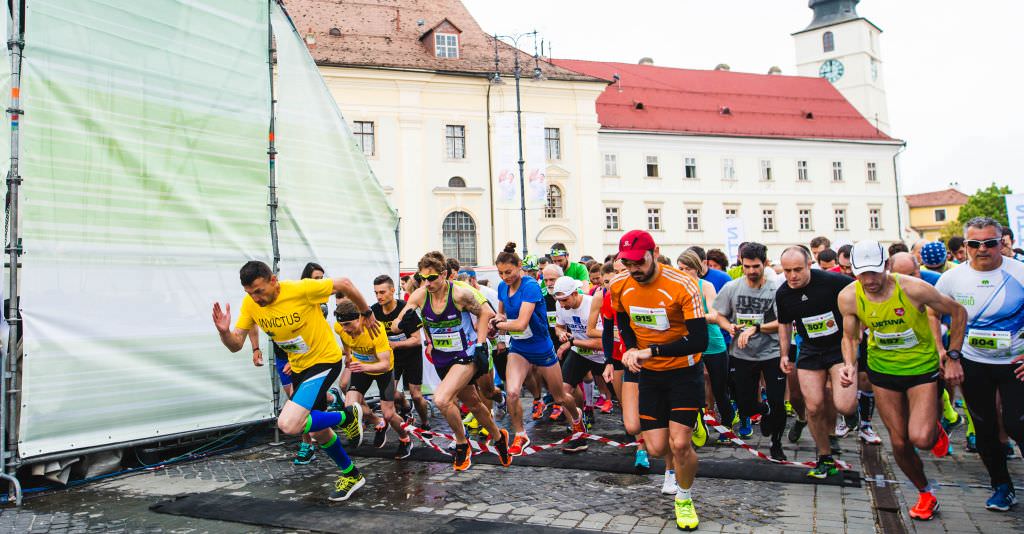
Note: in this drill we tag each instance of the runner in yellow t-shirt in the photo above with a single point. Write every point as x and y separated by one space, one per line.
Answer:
289 312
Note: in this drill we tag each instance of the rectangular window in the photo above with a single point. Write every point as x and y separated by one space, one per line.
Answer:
728 169
446 45
553 142
611 218
768 220
837 171
872 172
805 219
611 165
455 141
731 212
654 218
840 218
801 171
875 218
363 130
692 219
690 168
766 170
652 167
940 214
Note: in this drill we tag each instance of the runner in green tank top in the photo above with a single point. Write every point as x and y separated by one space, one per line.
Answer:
903 363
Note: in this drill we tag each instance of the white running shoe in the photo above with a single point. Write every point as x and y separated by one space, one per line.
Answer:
669 486
868 435
841 429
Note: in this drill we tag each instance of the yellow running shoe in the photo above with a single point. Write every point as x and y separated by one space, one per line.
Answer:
471 422
686 515
700 431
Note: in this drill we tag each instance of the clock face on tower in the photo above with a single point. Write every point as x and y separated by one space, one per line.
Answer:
831 70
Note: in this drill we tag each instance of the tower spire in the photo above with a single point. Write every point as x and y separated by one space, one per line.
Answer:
828 12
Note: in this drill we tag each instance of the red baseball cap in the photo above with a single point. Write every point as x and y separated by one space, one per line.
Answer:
634 244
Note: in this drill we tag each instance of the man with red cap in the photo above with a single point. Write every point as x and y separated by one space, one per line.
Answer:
662 325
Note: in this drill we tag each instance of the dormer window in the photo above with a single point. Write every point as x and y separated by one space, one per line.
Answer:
446 45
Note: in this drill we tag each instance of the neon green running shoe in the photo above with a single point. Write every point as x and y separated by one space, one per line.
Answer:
826 467
345 486
700 431
686 515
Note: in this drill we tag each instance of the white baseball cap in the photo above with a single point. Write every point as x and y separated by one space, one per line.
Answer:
868 256
565 286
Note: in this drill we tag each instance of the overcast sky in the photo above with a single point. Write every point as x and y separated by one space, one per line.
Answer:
953 69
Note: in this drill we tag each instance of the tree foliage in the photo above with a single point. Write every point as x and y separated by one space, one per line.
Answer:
952 228
988 202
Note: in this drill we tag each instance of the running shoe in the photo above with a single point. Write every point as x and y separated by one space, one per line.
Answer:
484 433
735 417
926 507
538 409
604 404
470 422
941 447
852 421
353 425
833 443
588 417
405 412
577 425
425 427
959 403
722 439
868 435
766 411
790 412
756 418
1002 499
1010 453
404 449
519 443
796 430
842 429
462 458
380 434
338 404
700 431
826 467
777 453
305 454
574 446
948 425
668 486
504 457
501 405
686 515
746 430
345 486
556 412
642 460
972 443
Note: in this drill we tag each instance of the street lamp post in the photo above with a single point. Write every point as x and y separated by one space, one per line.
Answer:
517 74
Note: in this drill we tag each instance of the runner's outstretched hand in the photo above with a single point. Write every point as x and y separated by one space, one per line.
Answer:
222 319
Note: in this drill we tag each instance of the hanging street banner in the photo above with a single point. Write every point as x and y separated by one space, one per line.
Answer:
506 158
1015 216
733 228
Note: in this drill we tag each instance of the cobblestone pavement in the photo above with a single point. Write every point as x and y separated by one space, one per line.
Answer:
549 496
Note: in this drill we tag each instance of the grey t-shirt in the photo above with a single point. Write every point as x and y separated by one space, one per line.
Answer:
743 304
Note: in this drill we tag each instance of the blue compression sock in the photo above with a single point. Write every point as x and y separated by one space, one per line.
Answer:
337 453
317 420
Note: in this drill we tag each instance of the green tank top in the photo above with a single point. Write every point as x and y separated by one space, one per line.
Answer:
716 343
899 339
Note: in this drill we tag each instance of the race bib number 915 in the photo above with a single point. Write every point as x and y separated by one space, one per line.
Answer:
653 318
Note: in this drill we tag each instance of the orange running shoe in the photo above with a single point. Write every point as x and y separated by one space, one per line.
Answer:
556 412
519 443
538 409
926 506
605 406
577 425
462 457
941 447
501 444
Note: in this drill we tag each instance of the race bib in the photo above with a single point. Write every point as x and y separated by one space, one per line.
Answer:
447 342
821 325
653 318
521 334
296 345
749 319
366 358
551 319
504 338
999 340
585 352
394 338
896 340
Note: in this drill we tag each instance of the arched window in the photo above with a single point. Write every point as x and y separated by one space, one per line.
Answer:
553 209
828 41
458 237
456 181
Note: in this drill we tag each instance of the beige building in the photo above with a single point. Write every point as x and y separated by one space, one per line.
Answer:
415 82
930 212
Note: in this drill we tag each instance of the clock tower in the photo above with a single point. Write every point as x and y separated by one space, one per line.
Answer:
842 47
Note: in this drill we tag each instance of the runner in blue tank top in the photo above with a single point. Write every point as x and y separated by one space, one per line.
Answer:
523 314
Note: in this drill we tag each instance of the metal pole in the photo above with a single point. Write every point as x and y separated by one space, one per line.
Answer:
899 205
522 179
272 202
9 356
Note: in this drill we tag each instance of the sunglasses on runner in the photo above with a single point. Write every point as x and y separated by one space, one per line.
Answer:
989 243
429 278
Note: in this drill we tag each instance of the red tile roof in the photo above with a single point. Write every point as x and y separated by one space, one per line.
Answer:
388 33
946 197
653 98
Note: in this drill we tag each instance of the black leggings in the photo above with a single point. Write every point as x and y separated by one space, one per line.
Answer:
981 381
748 389
718 371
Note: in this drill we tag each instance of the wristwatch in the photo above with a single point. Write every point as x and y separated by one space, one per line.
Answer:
366 313
953 355
757 328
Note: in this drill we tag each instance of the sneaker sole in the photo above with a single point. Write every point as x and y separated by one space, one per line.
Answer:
929 518
687 528
407 453
306 462
345 497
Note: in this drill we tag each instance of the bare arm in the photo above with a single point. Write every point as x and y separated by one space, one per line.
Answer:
382 364
233 339
465 300
520 324
344 286
415 302
924 294
711 316
851 324
411 340
785 331
595 315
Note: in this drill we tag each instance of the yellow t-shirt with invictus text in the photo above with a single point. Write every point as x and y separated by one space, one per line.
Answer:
295 323
365 347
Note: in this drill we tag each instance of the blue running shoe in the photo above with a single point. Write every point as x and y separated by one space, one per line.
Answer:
642 460
1002 499
746 430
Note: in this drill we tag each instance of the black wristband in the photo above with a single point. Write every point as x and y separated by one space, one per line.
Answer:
366 313
254 349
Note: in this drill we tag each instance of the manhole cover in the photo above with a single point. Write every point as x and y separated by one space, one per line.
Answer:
622 480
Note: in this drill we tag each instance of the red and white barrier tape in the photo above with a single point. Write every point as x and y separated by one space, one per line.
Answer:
728 433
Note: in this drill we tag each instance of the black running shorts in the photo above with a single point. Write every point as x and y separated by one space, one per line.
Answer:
385 384
673 395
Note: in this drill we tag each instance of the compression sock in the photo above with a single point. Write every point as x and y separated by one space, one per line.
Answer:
948 413
337 453
588 394
866 401
317 420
